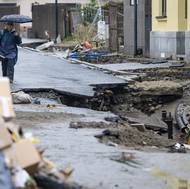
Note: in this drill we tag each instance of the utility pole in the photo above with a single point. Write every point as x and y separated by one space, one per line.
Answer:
56 21
135 27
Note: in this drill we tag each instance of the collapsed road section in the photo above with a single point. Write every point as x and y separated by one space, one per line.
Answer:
37 71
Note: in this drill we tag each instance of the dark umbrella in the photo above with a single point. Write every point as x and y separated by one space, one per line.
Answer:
16 18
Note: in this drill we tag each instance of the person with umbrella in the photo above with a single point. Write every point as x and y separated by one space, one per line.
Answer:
9 39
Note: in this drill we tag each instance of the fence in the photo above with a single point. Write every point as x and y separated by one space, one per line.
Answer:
67 20
89 13
9 9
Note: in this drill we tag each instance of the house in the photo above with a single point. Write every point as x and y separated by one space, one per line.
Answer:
170 35
144 26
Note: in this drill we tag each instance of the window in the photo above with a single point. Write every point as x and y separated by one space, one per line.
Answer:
132 2
162 10
186 9
164 7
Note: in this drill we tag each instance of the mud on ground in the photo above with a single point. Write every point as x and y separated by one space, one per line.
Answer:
148 96
131 137
29 119
162 89
125 135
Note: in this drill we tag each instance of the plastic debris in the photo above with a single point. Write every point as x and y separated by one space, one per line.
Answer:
21 98
177 148
45 46
112 144
20 178
31 137
19 158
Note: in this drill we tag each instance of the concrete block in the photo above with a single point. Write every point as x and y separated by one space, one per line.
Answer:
167 44
187 46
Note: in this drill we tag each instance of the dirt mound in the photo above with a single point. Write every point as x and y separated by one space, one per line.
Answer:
124 134
159 88
131 137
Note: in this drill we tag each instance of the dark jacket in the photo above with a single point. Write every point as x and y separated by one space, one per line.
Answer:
8 44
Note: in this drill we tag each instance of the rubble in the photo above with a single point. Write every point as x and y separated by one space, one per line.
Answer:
6 106
177 148
150 122
158 88
80 125
5 138
132 137
45 46
148 96
138 124
21 98
183 121
47 182
23 160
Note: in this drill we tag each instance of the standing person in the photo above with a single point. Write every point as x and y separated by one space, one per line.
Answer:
9 39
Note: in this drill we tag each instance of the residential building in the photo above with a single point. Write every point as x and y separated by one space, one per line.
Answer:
170 36
144 20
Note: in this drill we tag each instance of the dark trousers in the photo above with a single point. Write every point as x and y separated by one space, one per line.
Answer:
8 68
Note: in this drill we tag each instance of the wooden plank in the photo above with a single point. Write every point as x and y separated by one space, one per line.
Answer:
113 33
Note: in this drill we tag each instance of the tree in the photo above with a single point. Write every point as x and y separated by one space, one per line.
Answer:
93 3
90 11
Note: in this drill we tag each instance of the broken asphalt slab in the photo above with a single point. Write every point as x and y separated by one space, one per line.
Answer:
151 122
130 66
85 114
36 71
32 43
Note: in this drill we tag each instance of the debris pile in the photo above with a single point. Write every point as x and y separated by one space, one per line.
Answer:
148 96
159 88
22 165
133 137
182 116
88 55
80 125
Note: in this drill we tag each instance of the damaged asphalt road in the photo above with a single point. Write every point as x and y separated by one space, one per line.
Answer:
140 162
37 71
91 160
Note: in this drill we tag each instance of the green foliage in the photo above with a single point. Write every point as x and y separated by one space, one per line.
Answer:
90 11
93 3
